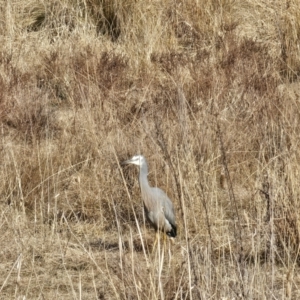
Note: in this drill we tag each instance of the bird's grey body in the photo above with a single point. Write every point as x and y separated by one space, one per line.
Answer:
158 207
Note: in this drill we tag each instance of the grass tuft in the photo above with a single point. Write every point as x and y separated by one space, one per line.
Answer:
207 91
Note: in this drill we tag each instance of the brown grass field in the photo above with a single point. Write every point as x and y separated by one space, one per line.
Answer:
207 90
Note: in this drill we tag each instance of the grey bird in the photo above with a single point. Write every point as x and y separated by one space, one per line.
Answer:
158 207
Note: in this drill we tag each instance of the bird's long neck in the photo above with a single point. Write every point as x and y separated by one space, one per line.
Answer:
145 187
144 176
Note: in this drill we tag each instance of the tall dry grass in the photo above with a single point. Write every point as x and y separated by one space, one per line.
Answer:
207 90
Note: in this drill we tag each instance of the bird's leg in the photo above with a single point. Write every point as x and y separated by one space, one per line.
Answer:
156 240
165 240
170 241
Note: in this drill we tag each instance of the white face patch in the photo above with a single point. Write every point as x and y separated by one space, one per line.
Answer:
137 160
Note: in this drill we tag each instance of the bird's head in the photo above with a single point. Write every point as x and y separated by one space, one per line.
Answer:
138 160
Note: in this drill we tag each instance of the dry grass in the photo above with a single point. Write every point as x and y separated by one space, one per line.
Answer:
207 90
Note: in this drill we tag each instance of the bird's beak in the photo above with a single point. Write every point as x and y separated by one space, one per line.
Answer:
126 162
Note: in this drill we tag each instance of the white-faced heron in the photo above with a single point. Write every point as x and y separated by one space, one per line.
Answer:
158 207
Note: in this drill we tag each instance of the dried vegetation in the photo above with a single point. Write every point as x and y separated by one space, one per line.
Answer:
207 90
